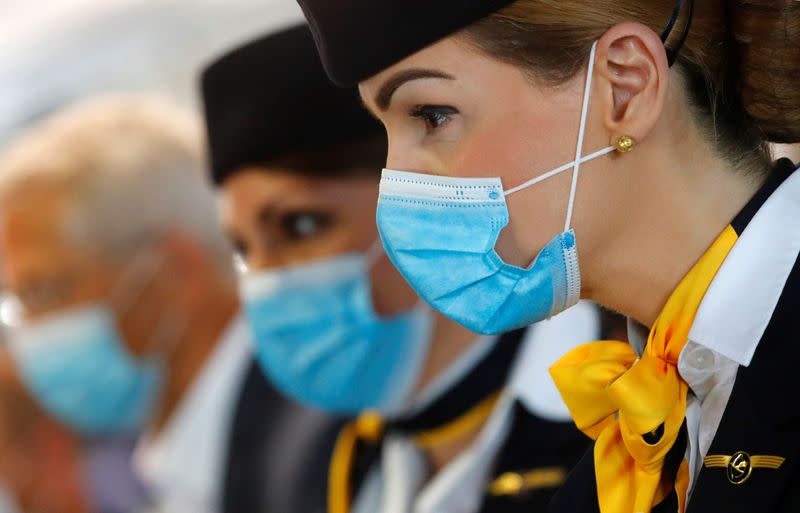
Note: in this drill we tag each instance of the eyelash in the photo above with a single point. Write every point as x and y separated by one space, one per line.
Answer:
435 117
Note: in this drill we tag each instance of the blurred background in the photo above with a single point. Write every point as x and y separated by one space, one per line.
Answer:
56 52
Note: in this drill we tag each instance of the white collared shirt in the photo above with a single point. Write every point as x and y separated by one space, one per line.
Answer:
400 483
734 314
183 467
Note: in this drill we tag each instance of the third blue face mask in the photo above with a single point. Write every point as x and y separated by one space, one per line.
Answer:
320 341
440 233
78 367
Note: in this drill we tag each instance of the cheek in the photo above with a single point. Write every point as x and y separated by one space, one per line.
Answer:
346 236
516 151
516 146
359 213
353 207
536 215
391 295
352 230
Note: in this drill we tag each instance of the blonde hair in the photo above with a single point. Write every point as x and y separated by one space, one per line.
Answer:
131 167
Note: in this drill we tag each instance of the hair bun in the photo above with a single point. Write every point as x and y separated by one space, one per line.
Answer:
767 34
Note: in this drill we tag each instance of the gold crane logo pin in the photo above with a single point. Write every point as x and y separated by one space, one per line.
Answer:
739 466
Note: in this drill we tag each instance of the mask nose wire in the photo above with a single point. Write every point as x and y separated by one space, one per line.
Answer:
166 332
374 253
127 290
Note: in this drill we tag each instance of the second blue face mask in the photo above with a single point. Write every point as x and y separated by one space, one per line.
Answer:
320 341
440 233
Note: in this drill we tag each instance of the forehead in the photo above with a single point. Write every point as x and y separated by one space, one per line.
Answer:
34 212
446 53
259 187
273 180
32 226
455 56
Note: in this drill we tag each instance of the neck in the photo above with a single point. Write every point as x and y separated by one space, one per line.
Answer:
203 331
449 342
677 212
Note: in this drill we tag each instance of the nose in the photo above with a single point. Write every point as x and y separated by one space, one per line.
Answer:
404 156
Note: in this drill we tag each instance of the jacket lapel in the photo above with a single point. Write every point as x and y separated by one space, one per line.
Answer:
762 418
534 462
278 452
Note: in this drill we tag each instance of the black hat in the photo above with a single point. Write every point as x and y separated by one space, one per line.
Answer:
270 99
359 38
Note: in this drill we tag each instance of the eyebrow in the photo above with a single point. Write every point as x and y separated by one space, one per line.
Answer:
384 97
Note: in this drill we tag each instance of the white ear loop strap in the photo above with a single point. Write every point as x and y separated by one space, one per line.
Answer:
374 253
581 133
130 286
576 164
559 170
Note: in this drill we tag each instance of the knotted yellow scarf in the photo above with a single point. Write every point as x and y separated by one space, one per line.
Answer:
634 407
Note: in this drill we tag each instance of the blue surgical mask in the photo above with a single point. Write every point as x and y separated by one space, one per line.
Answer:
440 233
320 341
77 366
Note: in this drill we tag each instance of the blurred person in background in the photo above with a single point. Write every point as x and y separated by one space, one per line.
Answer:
131 322
47 468
40 460
447 418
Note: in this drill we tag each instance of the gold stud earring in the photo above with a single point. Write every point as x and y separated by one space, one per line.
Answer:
625 144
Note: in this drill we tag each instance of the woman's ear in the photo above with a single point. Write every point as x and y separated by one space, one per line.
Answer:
633 77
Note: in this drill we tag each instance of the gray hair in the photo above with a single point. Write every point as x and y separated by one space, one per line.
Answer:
132 169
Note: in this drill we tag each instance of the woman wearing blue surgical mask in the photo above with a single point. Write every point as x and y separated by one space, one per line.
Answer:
545 151
336 327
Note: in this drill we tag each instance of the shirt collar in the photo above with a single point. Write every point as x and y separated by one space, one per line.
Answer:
452 376
545 344
739 303
461 485
184 464
637 336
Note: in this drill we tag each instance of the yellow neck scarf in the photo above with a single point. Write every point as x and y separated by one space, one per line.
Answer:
634 407
370 427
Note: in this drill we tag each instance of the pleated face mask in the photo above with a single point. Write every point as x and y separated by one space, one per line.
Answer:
440 233
321 342
77 365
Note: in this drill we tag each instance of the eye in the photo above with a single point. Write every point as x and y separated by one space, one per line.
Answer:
302 225
240 263
239 247
434 116
44 295
240 251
